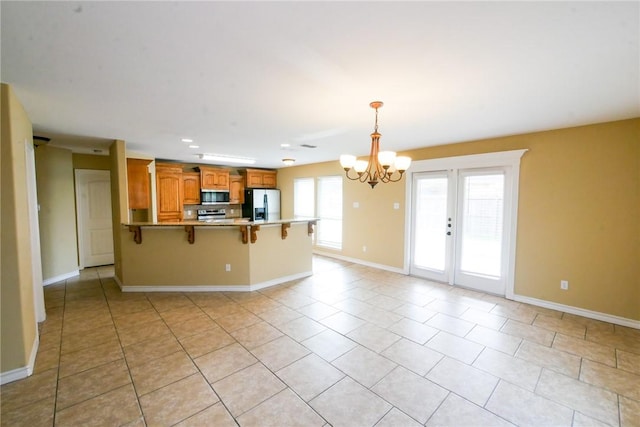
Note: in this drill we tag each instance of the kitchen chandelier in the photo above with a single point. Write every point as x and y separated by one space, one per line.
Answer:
381 166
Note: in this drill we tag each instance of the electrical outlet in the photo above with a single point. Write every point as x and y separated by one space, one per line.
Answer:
564 285
356 205
396 205
227 267
364 249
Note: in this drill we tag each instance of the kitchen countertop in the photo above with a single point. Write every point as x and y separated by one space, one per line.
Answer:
219 222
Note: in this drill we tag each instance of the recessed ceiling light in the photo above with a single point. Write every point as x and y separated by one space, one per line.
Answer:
285 145
194 146
288 162
186 140
227 159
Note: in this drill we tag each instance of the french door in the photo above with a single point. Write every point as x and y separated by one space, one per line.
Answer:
460 225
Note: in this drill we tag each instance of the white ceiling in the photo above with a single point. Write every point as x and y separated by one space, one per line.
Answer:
241 78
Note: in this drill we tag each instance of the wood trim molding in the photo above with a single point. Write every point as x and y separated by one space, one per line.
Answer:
137 233
191 233
284 233
310 226
254 233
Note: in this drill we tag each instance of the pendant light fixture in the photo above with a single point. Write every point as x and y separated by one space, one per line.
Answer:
382 166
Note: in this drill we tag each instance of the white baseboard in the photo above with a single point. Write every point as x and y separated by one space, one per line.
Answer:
209 288
60 278
25 371
361 262
610 318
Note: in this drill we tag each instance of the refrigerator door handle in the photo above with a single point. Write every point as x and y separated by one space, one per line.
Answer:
266 206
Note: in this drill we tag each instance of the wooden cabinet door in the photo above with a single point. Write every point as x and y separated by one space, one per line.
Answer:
138 183
191 188
254 179
269 179
169 192
259 178
214 179
222 179
207 179
236 189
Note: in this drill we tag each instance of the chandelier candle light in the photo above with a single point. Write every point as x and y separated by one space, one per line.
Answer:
381 166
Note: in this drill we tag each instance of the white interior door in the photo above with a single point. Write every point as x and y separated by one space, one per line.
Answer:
93 202
458 227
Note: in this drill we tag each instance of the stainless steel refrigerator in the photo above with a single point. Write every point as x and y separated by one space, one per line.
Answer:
261 204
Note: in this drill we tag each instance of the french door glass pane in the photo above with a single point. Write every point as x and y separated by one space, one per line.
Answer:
431 223
482 223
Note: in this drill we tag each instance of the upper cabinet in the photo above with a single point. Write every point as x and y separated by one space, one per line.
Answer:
236 189
138 183
214 179
191 188
260 178
169 191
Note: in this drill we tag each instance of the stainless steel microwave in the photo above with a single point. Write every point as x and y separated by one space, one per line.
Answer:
212 197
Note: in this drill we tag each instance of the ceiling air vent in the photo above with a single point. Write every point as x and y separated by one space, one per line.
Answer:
308 146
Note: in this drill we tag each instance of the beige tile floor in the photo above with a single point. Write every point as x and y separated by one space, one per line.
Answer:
349 346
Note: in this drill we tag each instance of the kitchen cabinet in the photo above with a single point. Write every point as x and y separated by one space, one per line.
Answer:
214 178
236 189
138 186
169 192
260 178
191 188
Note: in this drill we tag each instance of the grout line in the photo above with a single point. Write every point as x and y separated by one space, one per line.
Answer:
124 357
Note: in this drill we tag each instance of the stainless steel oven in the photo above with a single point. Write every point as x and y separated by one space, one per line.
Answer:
211 214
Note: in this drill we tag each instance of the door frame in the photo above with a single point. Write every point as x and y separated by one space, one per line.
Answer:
509 159
34 227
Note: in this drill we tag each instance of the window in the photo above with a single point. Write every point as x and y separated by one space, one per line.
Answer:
328 208
304 205
329 211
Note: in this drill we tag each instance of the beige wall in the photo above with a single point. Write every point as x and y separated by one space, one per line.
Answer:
165 257
56 197
578 213
91 161
374 212
18 327
272 257
119 199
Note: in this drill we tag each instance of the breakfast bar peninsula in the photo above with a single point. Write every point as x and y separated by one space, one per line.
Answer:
223 255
